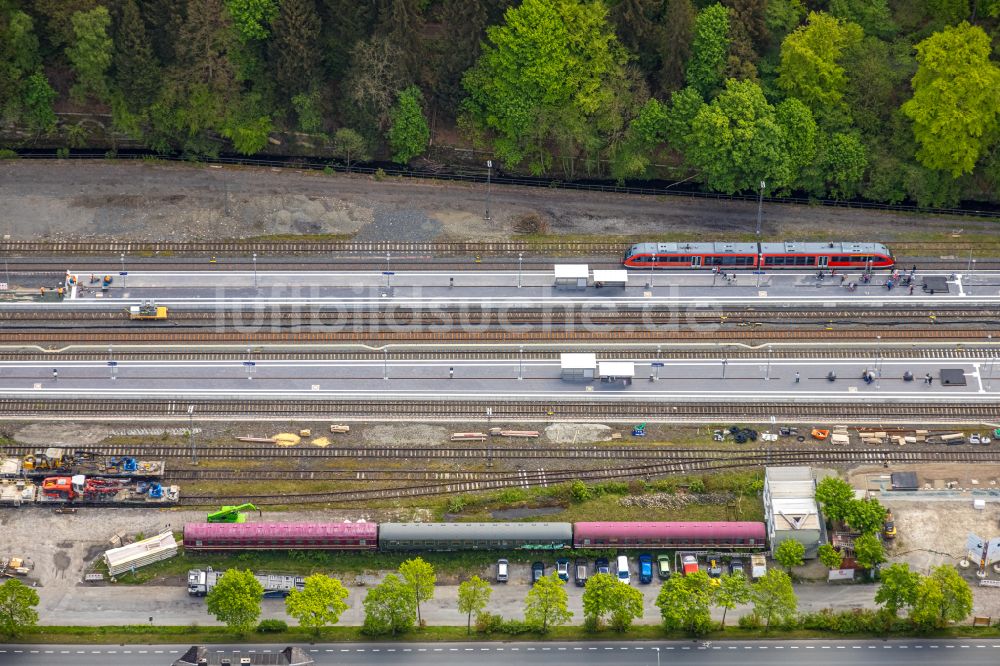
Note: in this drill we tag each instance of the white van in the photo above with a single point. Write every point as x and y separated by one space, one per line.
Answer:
623 575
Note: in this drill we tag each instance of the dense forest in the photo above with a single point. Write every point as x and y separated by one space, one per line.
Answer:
891 100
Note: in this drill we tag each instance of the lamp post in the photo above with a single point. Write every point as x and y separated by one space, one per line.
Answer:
760 206
123 270
657 656
254 270
989 364
520 260
725 362
520 363
767 369
489 173
385 363
194 451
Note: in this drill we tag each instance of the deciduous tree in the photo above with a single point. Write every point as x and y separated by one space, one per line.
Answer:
830 556
319 604
874 16
235 600
789 553
684 603
898 589
546 604
954 105
390 607
551 73
473 596
709 49
810 68
942 597
90 53
733 590
419 576
773 597
835 496
349 144
408 133
17 608
868 550
252 17
866 515
604 596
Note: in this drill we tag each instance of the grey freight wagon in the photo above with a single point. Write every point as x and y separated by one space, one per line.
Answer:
475 536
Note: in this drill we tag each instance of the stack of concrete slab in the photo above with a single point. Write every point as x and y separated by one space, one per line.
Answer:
141 553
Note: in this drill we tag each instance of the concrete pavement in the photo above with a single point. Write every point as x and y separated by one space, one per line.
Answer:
539 379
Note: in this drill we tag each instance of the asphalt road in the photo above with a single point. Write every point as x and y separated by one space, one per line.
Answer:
770 653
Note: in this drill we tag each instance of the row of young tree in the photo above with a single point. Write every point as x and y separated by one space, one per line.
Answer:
856 97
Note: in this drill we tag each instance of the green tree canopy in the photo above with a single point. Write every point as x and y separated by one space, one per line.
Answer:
319 604
874 16
942 597
866 516
252 17
38 98
91 53
554 67
137 73
294 48
546 604
235 600
898 589
835 496
810 67
390 607
418 574
408 132
473 596
709 49
733 590
348 144
739 140
830 556
954 106
790 553
605 595
17 608
773 597
684 603
868 550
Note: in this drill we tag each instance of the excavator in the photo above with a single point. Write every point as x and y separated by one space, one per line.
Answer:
232 514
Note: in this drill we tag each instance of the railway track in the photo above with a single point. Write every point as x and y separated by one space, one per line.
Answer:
692 465
184 355
747 333
380 248
499 410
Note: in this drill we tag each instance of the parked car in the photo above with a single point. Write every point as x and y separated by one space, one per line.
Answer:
645 568
580 573
601 566
663 566
715 569
622 570
736 567
537 572
690 564
503 571
562 568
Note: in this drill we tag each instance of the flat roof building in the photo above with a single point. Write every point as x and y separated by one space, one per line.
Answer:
790 509
578 367
571 276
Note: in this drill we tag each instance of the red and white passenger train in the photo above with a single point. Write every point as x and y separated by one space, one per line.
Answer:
727 256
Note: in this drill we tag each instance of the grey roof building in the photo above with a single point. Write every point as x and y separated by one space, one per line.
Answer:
790 509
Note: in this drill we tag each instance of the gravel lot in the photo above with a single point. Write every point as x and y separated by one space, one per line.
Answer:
143 201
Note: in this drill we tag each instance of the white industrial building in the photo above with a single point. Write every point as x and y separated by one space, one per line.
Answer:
790 508
129 558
